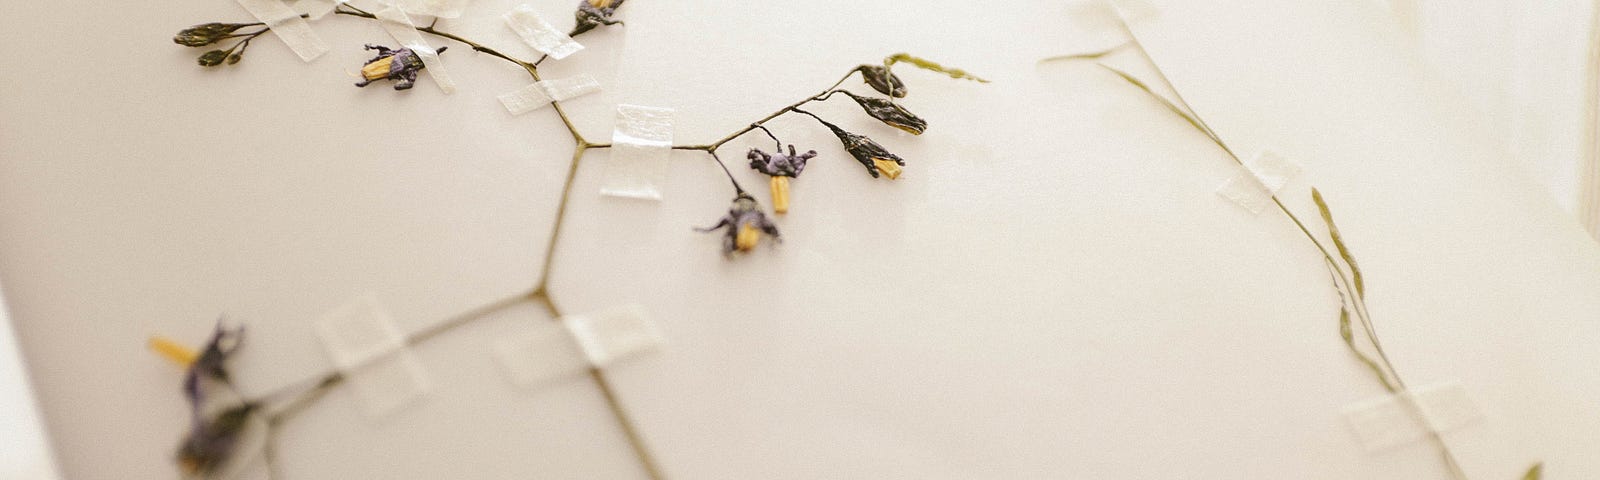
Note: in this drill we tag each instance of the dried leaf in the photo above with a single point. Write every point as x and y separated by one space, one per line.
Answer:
1534 473
929 65
1338 243
1348 334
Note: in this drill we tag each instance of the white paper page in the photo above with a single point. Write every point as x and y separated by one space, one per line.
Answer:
1052 289
22 435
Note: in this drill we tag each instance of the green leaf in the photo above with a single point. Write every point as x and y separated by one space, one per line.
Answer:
929 65
1338 242
1534 473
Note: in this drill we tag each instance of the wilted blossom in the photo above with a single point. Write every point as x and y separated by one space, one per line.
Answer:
781 167
398 64
890 113
211 364
745 223
211 442
779 163
594 13
206 34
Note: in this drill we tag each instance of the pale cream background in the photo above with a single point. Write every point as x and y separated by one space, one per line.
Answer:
1051 291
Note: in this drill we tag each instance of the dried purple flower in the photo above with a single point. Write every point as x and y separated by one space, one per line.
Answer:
745 223
399 64
890 113
781 167
211 363
882 80
594 13
778 163
211 442
206 34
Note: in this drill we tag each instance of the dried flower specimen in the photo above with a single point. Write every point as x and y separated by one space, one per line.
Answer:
214 435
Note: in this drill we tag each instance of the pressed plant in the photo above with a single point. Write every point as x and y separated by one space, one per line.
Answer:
1348 281
220 419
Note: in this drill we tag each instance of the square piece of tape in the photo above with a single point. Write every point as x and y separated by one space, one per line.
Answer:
1258 180
640 147
1398 419
359 332
613 334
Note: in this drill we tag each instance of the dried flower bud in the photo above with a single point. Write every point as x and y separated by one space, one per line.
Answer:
213 58
211 441
594 13
205 34
890 113
882 80
745 223
869 153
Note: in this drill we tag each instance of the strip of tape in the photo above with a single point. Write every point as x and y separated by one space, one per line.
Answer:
316 9
400 27
1408 416
288 26
640 146
1262 177
435 8
539 94
559 350
539 34
371 353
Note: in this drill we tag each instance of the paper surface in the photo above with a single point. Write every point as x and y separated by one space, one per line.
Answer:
1051 289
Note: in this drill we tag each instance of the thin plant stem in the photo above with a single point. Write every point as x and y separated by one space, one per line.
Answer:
540 293
1343 282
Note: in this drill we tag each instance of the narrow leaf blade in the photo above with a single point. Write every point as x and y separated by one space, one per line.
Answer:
1338 243
926 64
1535 473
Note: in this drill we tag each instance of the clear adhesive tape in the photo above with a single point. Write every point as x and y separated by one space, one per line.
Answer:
539 34
434 8
640 146
316 9
400 27
1261 177
371 353
1408 416
288 26
539 94
554 351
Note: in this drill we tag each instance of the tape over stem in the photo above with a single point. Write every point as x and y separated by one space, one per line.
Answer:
287 25
399 26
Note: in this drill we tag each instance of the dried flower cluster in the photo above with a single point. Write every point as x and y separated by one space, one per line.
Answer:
216 422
